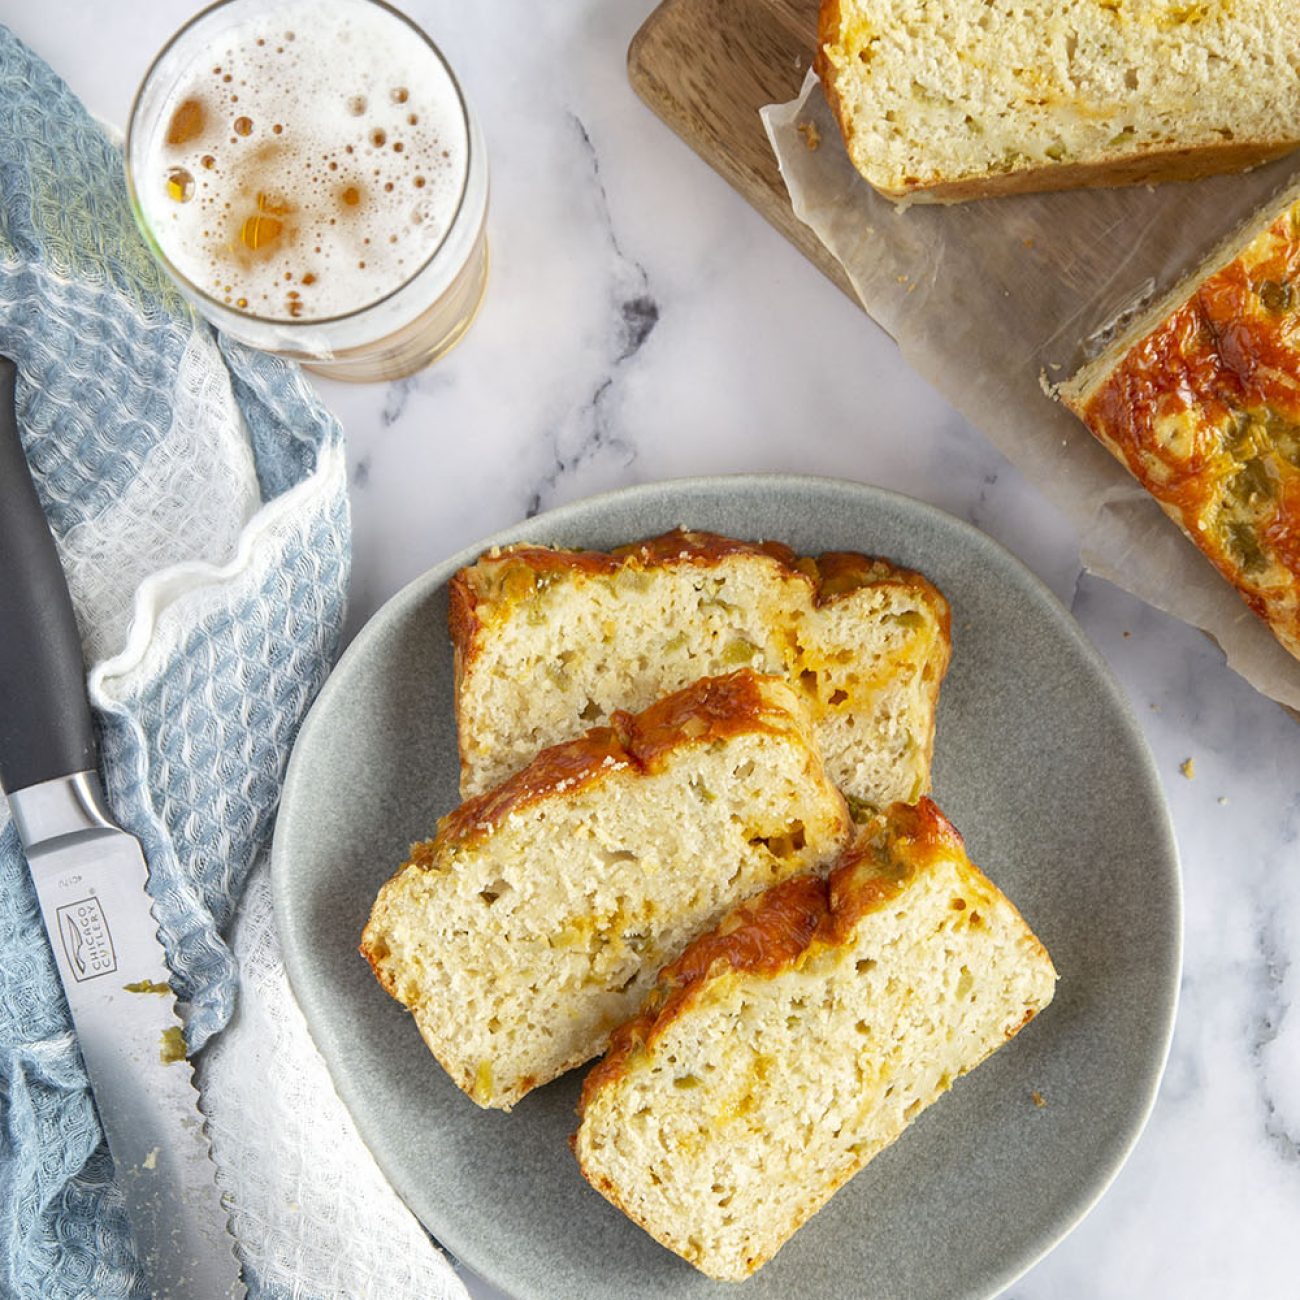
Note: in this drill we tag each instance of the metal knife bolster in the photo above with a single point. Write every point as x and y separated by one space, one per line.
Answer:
67 805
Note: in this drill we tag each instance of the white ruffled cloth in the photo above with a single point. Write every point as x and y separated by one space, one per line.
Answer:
312 1209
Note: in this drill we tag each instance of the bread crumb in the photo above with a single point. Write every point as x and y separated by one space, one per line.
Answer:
1028 241
812 137
1188 768
1038 1099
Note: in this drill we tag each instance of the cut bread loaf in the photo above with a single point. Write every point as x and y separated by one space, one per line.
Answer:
786 1048
1200 400
959 99
538 917
548 642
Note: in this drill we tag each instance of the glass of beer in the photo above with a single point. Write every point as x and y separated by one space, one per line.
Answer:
310 175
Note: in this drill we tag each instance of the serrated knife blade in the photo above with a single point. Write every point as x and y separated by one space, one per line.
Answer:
90 878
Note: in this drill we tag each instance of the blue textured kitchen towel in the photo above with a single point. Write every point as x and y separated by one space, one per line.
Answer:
197 492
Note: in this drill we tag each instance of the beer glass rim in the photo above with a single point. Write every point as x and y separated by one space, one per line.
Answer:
306 323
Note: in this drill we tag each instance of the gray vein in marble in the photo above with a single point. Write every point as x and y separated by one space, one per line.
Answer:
976 512
396 396
640 316
598 438
590 432
1282 1130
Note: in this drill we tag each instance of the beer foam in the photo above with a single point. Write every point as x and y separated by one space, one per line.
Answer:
308 163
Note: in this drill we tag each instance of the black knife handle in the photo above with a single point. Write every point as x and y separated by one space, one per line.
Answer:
45 727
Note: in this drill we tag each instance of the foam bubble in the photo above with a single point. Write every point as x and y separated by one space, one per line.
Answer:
309 163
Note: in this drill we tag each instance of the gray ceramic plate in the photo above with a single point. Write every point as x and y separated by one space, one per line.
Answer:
1039 763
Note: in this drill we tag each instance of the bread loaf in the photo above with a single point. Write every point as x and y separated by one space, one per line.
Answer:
786 1048
958 99
549 642
538 917
1200 400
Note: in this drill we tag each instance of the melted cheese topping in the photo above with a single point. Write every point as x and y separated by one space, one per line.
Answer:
1205 412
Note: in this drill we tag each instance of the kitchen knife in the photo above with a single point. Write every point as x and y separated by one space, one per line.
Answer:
90 879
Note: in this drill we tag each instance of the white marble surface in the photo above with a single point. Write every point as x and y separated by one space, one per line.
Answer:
643 323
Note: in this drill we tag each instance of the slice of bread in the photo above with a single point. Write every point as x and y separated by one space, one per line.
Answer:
538 917
786 1048
1199 399
548 642
962 99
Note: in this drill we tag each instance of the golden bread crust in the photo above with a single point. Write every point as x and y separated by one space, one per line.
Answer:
1112 171
486 591
828 34
503 578
1204 411
375 956
784 926
713 708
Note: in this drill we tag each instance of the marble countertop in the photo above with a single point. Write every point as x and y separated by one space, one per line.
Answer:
642 322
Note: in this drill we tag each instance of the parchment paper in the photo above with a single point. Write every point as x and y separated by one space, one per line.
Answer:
987 299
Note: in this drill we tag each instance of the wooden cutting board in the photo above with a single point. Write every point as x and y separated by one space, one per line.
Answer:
706 67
